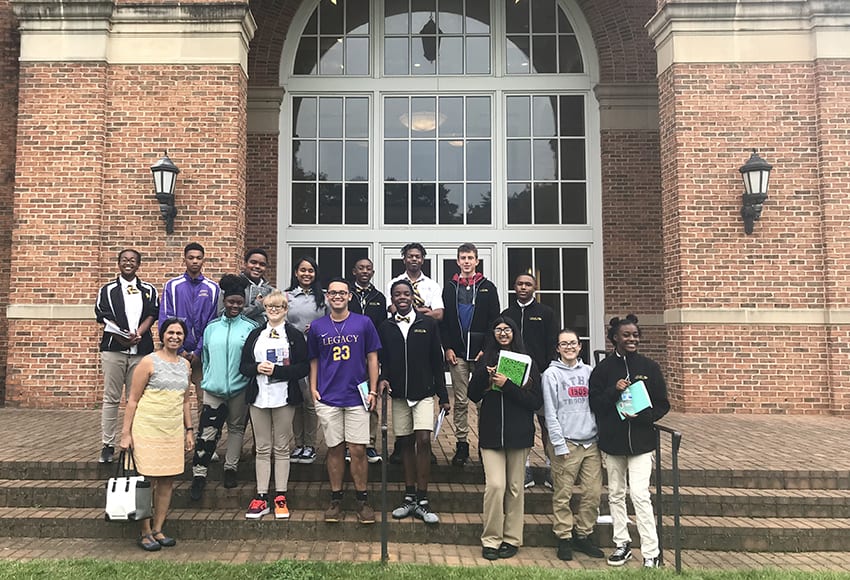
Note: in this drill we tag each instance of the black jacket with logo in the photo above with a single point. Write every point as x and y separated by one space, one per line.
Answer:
413 367
110 306
292 373
538 328
370 302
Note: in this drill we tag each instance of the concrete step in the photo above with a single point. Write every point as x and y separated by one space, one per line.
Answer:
702 533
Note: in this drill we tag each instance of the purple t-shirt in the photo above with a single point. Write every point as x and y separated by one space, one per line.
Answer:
341 349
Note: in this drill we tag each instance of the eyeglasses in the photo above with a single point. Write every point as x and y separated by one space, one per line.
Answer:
333 293
568 344
275 307
503 331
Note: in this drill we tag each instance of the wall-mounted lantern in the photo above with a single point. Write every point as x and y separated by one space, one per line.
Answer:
756 174
164 180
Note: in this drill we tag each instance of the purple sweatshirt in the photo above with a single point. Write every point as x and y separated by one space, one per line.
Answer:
195 302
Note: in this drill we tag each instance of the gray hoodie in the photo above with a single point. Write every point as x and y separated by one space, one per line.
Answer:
565 404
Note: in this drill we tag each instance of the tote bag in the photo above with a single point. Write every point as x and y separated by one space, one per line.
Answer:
128 497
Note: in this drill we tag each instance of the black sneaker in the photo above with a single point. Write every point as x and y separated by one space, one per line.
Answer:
107 454
230 478
490 553
529 478
196 492
565 550
507 550
586 546
461 454
621 555
395 456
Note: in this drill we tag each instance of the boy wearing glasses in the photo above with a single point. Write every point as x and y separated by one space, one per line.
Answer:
573 433
343 351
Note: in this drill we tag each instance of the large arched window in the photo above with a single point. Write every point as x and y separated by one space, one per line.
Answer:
445 121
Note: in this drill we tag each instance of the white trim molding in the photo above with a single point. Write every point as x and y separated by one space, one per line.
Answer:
50 312
724 31
627 107
758 316
99 31
264 110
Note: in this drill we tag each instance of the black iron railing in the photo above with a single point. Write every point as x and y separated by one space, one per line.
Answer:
385 555
676 441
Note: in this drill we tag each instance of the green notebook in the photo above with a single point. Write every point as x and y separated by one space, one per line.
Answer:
633 400
515 366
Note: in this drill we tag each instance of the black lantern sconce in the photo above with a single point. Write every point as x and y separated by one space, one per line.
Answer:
756 174
164 180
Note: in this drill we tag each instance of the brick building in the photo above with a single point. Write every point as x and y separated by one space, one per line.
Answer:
594 142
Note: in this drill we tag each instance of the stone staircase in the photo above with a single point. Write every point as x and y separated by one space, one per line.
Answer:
732 510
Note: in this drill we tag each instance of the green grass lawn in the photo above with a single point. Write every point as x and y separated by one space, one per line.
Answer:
286 570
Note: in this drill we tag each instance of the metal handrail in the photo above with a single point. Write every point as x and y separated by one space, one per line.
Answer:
676 440
385 555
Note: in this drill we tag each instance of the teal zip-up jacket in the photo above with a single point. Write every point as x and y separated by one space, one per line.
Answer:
223 341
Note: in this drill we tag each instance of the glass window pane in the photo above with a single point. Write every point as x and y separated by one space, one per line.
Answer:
563 24
519 262
330 264
357 161
478 117
395 203
546 203
542 16
519 159
357 16
306 56
451 203
312 24
548 264
543 50
423 55
330 117
573 203
423 119
422 11
553 301
330 160
395 161
304 160
569 55
396 18
518 55
576 312
451 115
478 55
423 161
357 203
545 116
546 159
304 117
330 55
450 55
424 201
575 269
478 161
478 203
451 160
357 56
352 255
303 203
519 117
330 203
330 18
572 159
396 56
477 17
450 17
572 116
519 203
357 117
516 17
395 110
300 252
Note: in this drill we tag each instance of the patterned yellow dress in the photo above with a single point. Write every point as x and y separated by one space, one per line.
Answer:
158 431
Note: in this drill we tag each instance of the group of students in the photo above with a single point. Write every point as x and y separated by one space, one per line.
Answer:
291 361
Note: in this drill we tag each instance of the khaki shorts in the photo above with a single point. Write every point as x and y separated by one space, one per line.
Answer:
343 424
407 419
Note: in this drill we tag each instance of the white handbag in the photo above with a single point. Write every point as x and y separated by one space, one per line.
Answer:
128 497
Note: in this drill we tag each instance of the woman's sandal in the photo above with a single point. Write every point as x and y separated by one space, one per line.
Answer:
148 543
164 541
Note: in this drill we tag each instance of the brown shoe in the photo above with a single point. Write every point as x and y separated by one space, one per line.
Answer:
365 513
334 512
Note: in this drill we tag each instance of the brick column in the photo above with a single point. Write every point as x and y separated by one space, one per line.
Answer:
105 89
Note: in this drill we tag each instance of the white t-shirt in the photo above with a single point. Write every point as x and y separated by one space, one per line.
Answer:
132 307
272 346
427 289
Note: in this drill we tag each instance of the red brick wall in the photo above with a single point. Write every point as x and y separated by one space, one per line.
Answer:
261 214
9 44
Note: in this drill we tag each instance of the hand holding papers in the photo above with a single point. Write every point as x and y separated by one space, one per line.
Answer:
438 424
113 328
633 400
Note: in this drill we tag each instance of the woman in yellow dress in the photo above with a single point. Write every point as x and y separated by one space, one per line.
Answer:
158 426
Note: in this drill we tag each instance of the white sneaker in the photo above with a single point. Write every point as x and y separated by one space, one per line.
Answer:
651 563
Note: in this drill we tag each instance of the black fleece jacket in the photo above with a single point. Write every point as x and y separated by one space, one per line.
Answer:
413 367
629 436
539 330
506 417
485 311
298 368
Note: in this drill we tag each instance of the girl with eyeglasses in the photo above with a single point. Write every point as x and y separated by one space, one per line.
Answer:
505 436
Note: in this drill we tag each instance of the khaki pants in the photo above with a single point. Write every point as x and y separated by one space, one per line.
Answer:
306 423
585 464
460 384
117 378
272 431
504 496
638 468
